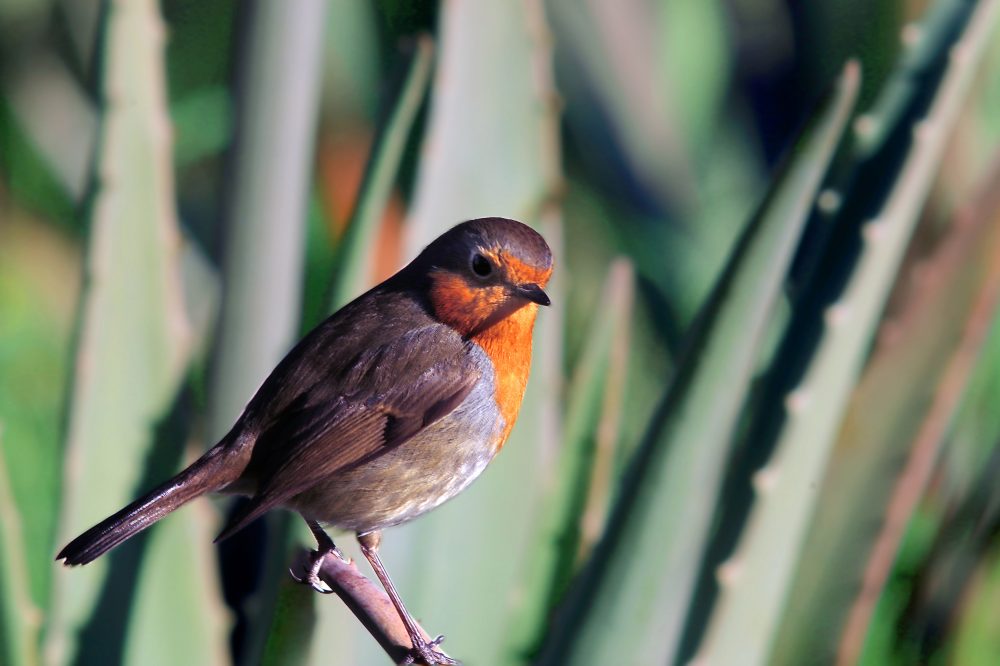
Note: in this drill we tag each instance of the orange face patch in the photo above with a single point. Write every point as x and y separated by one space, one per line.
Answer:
519 272
463 306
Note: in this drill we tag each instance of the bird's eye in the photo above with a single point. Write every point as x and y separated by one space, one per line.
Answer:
481 265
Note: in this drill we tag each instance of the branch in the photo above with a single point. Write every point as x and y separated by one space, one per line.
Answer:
369 603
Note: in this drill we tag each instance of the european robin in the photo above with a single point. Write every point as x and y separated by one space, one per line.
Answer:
391 406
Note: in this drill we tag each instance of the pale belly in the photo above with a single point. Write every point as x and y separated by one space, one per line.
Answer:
416 476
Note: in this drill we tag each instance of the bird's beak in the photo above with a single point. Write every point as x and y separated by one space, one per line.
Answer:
533 293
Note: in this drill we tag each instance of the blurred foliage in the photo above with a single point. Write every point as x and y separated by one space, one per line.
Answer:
807 476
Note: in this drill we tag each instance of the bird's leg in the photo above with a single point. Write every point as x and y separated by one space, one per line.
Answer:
324 547
423 651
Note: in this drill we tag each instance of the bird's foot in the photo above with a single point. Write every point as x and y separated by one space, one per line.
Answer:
311 577
423 652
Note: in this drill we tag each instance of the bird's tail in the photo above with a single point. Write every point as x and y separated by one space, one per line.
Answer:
213 471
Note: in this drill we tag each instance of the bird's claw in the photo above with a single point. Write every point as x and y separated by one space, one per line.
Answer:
423 652
313 581
312 578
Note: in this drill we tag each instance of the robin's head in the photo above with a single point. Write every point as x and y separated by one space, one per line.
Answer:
483 271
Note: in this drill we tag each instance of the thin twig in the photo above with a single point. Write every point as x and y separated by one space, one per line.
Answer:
369 603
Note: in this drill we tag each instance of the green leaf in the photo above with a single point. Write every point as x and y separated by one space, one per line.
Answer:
574 509
133 349
635 613
268 202
20 620
31 178
756 581
39 283
179 593
912 371
978 641
969 480
354 252
264 245
975 433
204 124
492 136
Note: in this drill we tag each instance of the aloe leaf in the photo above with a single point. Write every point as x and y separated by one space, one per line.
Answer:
20 619
575 505
611 51
924 43
293 633
593 414
745 624
133 350
204 124
883 644
351 63
680 151
946 293
970 462
354 266
58 124
975 434
492 136
635 613
948 544
978 640
264 247
179 593
39 283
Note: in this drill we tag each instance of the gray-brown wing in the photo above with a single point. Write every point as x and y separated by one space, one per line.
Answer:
398 392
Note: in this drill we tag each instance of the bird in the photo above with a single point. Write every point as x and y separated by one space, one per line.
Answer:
391 406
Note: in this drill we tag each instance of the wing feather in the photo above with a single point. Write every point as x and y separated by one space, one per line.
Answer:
319 434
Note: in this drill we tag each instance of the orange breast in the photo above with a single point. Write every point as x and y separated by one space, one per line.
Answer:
508 344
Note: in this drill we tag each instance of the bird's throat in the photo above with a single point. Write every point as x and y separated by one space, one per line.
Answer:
508 344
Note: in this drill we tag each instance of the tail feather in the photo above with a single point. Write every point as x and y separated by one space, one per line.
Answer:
211 472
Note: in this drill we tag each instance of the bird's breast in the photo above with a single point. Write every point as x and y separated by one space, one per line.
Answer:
507 344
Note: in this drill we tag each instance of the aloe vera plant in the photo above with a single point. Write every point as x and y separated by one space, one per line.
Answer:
354 267
848 343
786 487
133 349
265 242
920 347
646 601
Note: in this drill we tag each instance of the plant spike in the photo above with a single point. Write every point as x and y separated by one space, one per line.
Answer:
744 625
663 517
